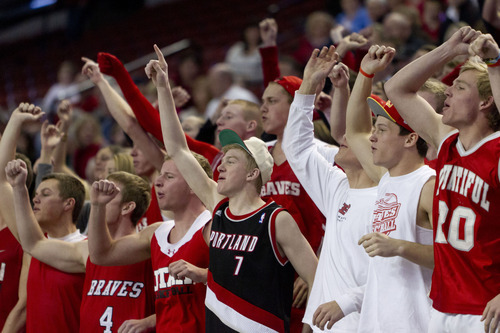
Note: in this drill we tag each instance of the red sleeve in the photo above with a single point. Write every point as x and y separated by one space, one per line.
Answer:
270 67
145 112
202 148
451 76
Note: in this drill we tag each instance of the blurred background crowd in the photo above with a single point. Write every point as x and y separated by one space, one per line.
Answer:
215 47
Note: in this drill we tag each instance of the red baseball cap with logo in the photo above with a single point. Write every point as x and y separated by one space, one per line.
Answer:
290 83
388 110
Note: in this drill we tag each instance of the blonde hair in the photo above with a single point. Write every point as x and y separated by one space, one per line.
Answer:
124 162
86 119
438 89
251 111
484 89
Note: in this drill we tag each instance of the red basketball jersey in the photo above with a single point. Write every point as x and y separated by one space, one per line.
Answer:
466 219
285 189
11 261
113 294
180 304
53 300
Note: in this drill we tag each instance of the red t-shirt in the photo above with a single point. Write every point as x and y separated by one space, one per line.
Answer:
11 261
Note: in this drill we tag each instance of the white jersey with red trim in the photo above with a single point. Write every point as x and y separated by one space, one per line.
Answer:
249 283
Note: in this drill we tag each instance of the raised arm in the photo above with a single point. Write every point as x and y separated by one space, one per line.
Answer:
65 256
144 111
174 138
103 249
487 49
402 88
64 112
349 43
298 139
339 76
25 113
123 114
269 51
358 119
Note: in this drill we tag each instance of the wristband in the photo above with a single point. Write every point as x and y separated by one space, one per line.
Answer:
492 62
365 73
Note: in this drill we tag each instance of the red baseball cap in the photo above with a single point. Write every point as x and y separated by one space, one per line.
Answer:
290 83
388 110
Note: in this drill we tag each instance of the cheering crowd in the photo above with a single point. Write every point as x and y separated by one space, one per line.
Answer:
360 193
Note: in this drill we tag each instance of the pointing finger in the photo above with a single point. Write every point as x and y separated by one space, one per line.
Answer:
159 54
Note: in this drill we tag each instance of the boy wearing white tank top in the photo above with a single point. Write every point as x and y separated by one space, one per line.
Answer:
399 236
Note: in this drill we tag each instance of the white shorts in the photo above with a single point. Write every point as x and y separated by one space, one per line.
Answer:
441 322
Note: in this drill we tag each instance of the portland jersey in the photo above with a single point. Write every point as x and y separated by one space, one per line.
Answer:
53 296
11 261
467 226
179 303
113 294
249 283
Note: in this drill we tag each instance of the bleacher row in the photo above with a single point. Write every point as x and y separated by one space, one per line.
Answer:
29 67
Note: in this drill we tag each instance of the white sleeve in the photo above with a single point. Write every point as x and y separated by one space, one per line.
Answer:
352 300
317 175
326 150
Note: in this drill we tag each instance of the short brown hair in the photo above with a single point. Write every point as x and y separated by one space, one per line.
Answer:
135 189
69 187
422 146
251 111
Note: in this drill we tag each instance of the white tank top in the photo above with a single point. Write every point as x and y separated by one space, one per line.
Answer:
396 296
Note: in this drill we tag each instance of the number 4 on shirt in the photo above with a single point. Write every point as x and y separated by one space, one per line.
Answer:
106 319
